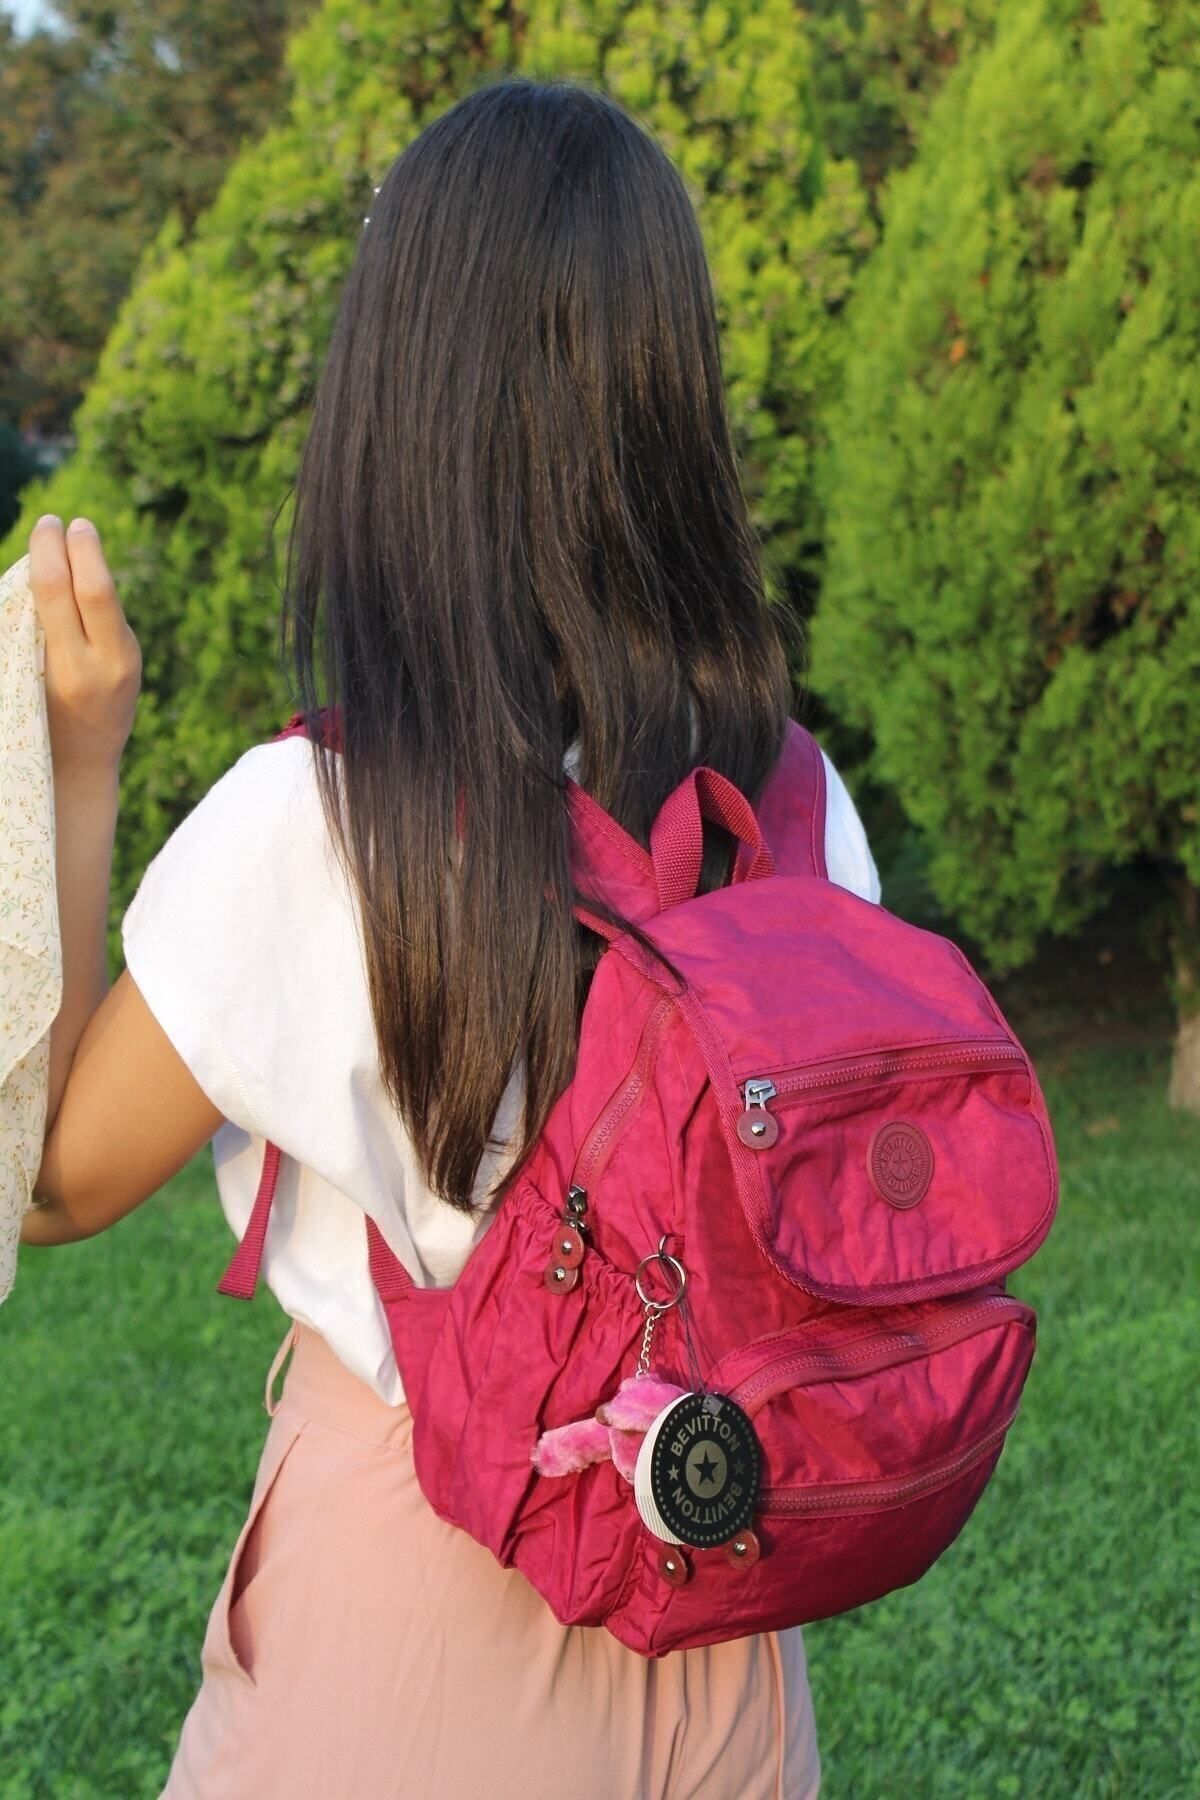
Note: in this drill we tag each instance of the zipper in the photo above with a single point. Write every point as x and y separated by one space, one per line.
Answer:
562 1272
601 1140
881 1351
833 1497
981 1058
871 1354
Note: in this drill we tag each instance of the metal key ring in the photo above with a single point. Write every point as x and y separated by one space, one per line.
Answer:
661 1255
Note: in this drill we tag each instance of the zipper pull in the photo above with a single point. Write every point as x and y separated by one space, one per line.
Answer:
562 1271
756 1127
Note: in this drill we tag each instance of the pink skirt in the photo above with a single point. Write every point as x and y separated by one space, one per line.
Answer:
362 1649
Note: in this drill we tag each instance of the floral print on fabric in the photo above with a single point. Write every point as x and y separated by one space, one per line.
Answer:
30 949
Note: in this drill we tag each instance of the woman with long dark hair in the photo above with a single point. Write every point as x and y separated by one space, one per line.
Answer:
520 548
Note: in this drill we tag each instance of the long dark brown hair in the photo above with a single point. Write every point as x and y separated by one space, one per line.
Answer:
518 522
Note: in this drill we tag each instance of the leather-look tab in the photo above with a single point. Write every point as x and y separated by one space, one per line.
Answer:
674 1566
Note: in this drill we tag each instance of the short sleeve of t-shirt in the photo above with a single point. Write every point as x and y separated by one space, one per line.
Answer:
242 938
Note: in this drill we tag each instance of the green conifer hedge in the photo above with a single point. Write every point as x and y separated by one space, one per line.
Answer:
877 65
1011 604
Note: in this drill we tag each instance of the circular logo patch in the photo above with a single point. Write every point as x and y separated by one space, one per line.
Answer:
900 1163
704 1470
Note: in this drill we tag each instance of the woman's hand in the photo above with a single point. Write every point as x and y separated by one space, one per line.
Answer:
93 664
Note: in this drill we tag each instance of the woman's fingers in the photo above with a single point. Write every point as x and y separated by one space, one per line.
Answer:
96 602
93 665
53 586
76 566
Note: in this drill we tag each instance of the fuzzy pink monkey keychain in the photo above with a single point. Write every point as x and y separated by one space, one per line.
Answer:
615 1429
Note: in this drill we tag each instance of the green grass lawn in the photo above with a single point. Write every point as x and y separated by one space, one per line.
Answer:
1054 1650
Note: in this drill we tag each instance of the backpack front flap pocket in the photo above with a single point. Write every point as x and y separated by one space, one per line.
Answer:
899 1175
887 1133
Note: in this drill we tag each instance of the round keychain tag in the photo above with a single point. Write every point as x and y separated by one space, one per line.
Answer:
698 1472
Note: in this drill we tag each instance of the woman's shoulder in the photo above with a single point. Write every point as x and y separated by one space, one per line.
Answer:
265 805
272 781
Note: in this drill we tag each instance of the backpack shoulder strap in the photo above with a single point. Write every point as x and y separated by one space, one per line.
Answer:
391 1279
329 719
606 861
791 809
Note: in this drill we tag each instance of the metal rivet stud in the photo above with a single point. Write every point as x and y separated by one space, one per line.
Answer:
568 1247
757 1132
743 1551
559 1278
674 1568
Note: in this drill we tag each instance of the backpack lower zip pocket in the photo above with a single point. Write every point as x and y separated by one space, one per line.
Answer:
812 1402
877 1496
866 1354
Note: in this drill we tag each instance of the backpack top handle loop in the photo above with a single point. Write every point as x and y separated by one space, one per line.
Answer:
677 835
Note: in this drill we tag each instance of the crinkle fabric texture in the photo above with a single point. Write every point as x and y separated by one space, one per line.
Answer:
30 950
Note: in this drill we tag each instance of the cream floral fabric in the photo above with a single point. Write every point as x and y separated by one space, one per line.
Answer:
30 950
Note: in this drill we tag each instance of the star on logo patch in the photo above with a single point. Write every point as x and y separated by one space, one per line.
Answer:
707 1468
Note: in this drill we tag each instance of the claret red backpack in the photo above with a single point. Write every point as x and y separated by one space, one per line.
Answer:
736 1352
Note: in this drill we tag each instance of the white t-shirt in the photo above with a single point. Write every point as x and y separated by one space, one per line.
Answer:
243 939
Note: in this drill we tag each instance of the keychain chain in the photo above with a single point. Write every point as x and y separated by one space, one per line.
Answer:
643 1367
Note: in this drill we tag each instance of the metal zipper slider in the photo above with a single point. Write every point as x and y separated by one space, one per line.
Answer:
756 1127
758 1090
